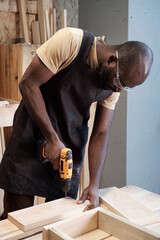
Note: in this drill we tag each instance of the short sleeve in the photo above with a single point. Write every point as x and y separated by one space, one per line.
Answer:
60 50
111 101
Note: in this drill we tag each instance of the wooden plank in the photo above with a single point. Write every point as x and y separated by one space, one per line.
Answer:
7 113
123 229
47 23
148 199
45 213
154 227
64 18
35 237
52 17
36 32
22 11
8 230
125 206
93 235
41 20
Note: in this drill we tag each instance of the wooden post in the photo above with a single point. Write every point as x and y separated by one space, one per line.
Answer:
41 20
23 19
64 18
46 14
52 21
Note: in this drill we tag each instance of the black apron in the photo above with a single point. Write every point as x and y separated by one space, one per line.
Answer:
68 96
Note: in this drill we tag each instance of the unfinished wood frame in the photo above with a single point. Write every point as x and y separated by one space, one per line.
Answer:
102 223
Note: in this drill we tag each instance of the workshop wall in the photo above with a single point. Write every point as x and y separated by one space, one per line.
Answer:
143 111
110 18
134 145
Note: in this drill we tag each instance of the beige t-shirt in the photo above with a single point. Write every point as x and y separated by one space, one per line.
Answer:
62 48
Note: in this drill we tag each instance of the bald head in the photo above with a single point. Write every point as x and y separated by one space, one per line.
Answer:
135 61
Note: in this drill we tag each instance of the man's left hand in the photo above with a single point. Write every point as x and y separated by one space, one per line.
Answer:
91 194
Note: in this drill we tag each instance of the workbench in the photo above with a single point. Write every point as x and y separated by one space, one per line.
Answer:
30 221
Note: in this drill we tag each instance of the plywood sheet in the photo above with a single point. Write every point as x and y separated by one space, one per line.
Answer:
43 214
125 206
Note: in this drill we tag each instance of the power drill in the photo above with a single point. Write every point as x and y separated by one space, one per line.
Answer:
65 165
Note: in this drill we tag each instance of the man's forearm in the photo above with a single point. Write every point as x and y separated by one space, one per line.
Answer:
97 155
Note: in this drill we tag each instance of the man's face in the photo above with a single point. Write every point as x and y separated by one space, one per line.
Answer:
106 77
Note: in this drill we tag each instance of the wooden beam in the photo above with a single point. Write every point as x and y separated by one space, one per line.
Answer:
23 19
64 18
41 20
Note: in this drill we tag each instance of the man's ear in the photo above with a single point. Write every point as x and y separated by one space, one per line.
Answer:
112 60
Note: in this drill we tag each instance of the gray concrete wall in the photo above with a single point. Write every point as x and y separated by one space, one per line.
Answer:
110 18
143 105
134 145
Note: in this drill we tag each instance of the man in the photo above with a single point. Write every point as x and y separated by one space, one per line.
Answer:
69 72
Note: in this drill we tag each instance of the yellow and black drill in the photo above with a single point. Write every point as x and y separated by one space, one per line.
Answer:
65 165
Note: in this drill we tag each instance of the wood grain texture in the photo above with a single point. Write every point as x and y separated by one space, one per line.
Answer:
36 32
125 206
23 19
41 21
45 213
81 226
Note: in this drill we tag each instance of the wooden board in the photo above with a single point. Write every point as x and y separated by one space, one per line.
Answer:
148 199
41 20
100 222
23 19
8 231
45 213
125 206
36 32
7 113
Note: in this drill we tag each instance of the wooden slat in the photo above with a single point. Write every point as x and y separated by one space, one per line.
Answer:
45 213
124 229
64 18
36 32
41 20
125 206
8 231
52 21
22 11
47 23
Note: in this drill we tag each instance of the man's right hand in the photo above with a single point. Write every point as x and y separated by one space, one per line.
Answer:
52 152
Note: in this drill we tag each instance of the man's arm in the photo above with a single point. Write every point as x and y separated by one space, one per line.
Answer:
36 75
97 154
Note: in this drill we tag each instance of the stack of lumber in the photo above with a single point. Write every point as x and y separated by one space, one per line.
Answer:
24 21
